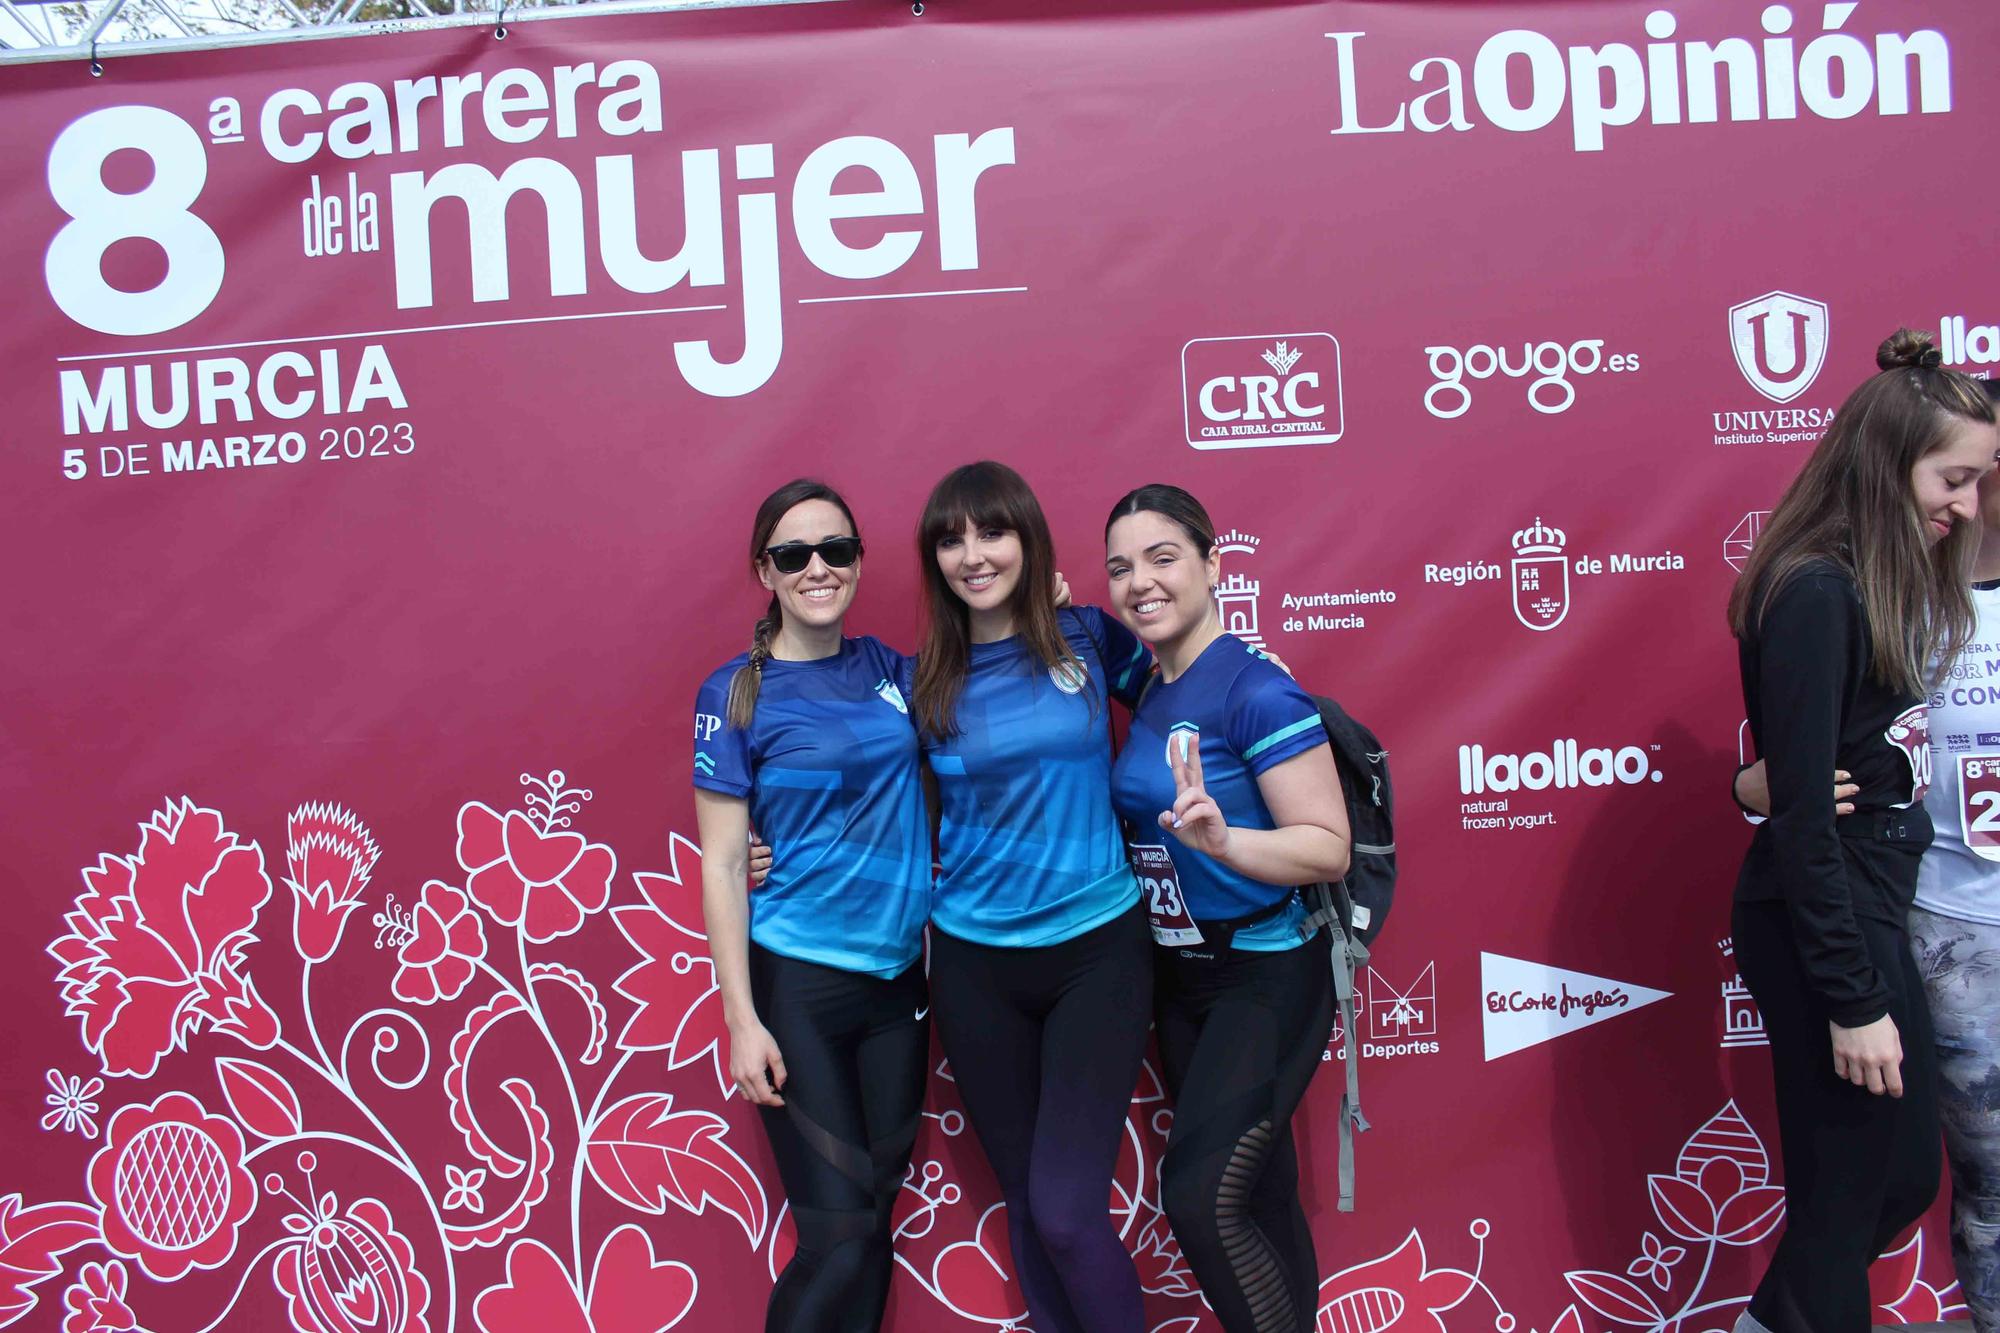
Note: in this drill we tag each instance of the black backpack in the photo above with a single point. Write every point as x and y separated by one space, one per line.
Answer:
1363 764
1355 908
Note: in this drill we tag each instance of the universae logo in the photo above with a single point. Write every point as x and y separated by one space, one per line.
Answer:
1250 393
1780 343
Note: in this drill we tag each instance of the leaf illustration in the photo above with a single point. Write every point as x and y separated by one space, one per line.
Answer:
260 1097
30 1240
1751 1215
646 1155
1615 1297
1682 1208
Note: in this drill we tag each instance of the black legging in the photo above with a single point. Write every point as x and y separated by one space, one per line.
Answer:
1859 1166
855 1049
1045 1044
1240 1037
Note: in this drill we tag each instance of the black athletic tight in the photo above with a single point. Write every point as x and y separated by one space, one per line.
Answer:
855 1051
1859 1166
1240 1037
1045 1044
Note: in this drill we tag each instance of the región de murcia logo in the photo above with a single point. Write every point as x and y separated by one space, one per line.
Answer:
1539 578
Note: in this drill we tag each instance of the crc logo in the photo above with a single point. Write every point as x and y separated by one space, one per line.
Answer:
1541 577
1780 343
1248 393
1549 393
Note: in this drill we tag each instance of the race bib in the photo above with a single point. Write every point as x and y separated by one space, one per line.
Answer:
1172 926
1979 803
1911 733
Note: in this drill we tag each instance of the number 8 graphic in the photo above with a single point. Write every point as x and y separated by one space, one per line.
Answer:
100 216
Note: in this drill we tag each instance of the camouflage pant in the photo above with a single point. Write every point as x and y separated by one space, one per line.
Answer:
1960 964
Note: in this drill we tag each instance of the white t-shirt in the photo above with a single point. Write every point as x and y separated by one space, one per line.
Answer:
1960 874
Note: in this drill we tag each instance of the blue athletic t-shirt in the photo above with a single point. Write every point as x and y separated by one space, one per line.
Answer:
829 764
1031 851
1248 716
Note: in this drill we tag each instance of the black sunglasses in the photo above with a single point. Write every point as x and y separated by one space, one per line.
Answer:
791 557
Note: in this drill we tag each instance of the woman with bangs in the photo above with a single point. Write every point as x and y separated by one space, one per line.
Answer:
1041 962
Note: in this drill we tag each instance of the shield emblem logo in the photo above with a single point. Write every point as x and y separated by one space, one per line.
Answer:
1541 590
1780 343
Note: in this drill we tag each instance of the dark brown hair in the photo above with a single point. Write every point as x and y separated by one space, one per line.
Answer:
987 495
1170 502
744 684
1852 504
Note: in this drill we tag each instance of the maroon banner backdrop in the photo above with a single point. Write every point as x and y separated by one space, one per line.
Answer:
386 417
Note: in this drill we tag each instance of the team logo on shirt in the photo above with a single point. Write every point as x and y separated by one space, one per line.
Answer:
1911 733
1182 738
1069 675
892 696
1541 577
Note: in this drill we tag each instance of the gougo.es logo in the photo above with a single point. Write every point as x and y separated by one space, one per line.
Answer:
1550 363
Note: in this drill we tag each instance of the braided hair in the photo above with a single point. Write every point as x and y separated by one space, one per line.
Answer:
744 684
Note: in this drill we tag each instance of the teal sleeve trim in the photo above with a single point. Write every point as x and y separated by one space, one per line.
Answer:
1282 734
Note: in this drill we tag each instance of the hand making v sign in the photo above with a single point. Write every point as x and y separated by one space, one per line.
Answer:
1195 818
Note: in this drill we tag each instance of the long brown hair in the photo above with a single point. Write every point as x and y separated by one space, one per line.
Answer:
744 684
1851 504
987 495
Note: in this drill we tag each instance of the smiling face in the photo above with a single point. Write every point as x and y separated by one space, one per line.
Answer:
981 565
1160 581
1945 483
818 595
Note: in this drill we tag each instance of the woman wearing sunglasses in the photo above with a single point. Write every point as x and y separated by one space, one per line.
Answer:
822 982
1228 786
1040 963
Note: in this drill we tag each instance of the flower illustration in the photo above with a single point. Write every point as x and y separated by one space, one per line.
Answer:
527 869
462 1187
96 1301
350 1272
630 1291
329 855
172 1184
1655 1262
438 942
679 1007
73 1103
155 945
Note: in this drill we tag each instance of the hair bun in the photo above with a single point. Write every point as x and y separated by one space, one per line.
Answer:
1907 349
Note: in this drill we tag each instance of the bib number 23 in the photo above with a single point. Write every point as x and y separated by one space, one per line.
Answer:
1165 908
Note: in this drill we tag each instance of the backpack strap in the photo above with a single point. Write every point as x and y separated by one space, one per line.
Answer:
1330 908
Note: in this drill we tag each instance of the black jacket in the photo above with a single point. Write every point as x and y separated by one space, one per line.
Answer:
1814 707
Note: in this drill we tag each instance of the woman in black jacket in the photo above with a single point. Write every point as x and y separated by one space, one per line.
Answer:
1852 602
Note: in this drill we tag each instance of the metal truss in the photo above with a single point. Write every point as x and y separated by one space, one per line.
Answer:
95 31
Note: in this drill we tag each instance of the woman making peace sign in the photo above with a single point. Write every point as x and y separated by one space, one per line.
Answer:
1228 789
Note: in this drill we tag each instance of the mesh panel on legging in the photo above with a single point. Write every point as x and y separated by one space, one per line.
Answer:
855 1055
1240 1038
